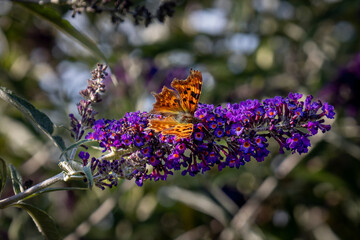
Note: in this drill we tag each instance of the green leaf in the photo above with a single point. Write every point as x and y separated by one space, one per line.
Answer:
16 180
59 142
41 120
3 174
43 221
89 176
74 146
63 25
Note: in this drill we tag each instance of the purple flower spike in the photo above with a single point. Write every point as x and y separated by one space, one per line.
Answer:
91 95
222 137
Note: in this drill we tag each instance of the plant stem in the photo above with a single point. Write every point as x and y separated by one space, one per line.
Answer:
7 201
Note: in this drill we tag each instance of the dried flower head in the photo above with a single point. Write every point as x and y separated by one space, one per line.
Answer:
91 95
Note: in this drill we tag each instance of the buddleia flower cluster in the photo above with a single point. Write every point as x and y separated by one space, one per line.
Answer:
91 95
122 9
223 136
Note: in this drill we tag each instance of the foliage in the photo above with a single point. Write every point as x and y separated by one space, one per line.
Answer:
245 49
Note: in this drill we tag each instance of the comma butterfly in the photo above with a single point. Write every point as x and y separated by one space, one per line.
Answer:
177 107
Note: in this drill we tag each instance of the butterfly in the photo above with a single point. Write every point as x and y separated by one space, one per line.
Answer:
177 107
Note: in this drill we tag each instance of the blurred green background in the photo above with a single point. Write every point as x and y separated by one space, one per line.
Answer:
244 49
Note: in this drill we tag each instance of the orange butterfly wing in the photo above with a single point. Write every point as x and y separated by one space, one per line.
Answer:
159 125
170 104
169 126
181 130
189 91
167 101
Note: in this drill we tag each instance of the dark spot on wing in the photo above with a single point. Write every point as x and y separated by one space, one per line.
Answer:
185 92
195 95
191 102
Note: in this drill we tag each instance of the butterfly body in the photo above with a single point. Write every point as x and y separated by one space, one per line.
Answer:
185 118
177 107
